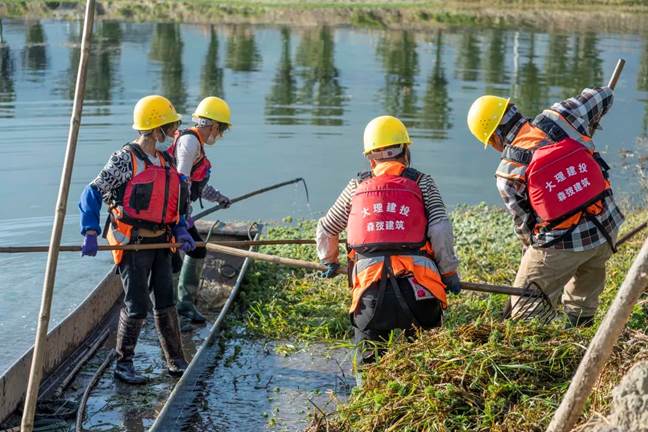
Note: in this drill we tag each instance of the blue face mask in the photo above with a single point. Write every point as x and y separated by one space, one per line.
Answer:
162 146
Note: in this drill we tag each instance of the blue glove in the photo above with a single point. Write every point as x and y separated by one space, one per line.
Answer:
452 283
331 271
89 247
182 236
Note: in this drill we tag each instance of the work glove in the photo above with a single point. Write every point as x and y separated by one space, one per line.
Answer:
331 270
213 195
189 221
182 236
89 247
452 283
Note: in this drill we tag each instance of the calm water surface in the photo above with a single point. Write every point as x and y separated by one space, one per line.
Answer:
300 100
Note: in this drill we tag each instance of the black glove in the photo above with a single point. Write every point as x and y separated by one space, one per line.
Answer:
331 271
452 283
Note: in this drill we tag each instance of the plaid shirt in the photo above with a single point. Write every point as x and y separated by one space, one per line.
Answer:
583 112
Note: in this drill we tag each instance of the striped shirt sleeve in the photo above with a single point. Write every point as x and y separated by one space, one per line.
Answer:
585 110
435 209
439 228
337 217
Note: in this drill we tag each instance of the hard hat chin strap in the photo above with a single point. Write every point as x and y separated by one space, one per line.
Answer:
387 153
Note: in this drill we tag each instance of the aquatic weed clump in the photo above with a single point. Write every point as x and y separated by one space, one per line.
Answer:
286 303
484 376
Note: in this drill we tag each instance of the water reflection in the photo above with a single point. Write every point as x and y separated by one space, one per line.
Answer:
320 86
102 64
166 48
468 56
7 70
211 78
279 108
529 89
397 52
495 73
437 102
242 51
35 52
585 68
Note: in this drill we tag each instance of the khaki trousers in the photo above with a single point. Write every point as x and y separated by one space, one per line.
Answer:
581 274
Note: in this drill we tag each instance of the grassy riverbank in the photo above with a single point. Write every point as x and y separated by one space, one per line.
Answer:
476 373
600 15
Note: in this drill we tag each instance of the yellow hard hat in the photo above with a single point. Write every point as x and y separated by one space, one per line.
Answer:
384 131
152 112
214 108
485 115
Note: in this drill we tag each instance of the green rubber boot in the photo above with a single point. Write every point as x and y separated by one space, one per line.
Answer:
188 287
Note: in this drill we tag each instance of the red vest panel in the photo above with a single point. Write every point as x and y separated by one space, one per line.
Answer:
151 198
200 170
387 212
562 179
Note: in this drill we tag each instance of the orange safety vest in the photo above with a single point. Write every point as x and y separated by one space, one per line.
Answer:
167 189
420 266
548 129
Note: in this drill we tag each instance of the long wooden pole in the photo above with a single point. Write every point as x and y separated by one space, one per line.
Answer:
27 423
600 348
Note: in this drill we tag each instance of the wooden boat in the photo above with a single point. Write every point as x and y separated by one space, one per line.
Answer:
74 345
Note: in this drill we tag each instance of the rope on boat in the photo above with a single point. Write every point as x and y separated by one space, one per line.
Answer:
86 393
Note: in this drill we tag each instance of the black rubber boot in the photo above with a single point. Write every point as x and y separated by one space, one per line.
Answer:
574 320
127 334
188 284
166 322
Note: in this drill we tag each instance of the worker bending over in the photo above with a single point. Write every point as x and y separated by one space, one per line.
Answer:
402 256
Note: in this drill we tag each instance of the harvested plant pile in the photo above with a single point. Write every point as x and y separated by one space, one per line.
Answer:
474 374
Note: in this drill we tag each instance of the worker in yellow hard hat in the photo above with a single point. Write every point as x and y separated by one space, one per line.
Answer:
147 204
402 258
212 118
555 185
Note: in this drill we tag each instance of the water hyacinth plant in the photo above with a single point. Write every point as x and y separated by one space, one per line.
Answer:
477 373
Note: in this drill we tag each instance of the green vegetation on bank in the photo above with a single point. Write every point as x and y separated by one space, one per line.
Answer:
412 14
475 373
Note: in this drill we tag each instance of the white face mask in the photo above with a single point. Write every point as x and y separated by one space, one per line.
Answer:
162 146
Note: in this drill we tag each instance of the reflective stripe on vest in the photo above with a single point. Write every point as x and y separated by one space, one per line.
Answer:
119 233
423 269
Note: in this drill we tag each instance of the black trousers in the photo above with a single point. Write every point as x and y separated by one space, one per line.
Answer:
147 274
198 253
374 321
